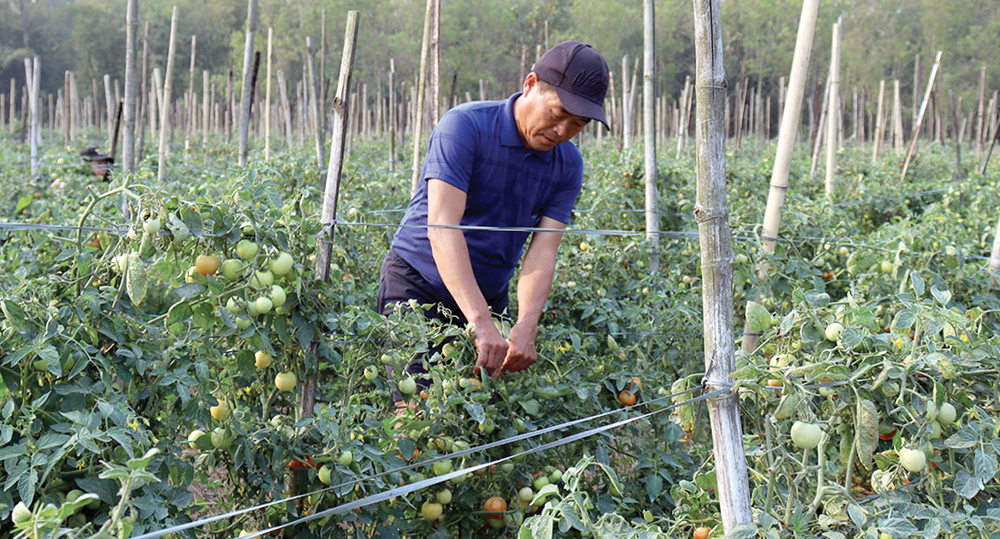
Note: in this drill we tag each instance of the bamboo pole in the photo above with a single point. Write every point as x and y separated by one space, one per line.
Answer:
32 72
649 132
833 114
65 109
189 124
109 100
995 252
791 119
206 106
144 102
959 125
897 120
626 110
161 172
392 114
820 127
681 121
267 98
980 111
247 87
419 109
321 82
155 104
434 96
332 188
131 88
313 99
879 123
715 237
920 117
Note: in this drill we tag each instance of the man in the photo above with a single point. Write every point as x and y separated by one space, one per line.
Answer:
100 163
497 164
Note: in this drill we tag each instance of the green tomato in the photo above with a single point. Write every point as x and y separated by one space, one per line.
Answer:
231 269
431 511
914 460
932 411
526 494
263 305
371 373
345 458
278 296
246 249
407 386
262 279
540 482
243 322
833 331
282 264
443 497
442 467
886 266
324 475
152 225
806 435
947 414
233 306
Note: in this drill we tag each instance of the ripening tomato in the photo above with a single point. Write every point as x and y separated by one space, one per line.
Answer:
495 507
627 398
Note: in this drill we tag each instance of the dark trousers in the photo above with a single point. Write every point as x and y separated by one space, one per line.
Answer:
400 282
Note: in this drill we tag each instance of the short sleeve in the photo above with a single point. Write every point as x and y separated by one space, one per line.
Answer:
560 206
451 150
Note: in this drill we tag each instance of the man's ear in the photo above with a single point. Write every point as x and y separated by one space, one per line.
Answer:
530 82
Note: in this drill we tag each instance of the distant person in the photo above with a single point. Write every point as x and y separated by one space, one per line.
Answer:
100 162
503 163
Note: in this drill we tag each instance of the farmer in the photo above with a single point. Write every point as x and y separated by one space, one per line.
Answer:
100 162
497 164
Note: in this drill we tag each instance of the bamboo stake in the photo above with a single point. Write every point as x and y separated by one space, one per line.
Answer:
995 252
332 188
11 104
879 123
715 237
791 119
920 117
981 111
313 99
625 111
131 89
247 86
144 103
32 70
833 114
206 106
109 100
434 96
321 82
682 121
419 109
189 124
392 114
897 120
267 98
959 125
649 132
155 104
161 172
820 127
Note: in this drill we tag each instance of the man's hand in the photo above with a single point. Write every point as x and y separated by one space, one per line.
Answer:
521 350
491 347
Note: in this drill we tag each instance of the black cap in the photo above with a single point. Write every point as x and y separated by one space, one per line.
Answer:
93 154
579 75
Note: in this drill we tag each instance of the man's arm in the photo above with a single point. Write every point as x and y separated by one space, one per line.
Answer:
533 288
446 206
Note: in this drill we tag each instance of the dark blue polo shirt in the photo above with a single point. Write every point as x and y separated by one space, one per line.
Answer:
476 147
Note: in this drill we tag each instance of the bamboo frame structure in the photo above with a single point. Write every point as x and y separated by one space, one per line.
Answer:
161 171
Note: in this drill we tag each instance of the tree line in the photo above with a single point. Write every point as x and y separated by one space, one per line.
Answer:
483 41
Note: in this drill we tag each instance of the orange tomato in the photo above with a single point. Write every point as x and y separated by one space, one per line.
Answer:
701 532
627 398
207 264
495 507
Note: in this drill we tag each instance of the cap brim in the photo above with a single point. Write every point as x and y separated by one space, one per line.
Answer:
581 106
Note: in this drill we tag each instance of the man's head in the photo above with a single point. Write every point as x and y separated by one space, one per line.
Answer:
563 92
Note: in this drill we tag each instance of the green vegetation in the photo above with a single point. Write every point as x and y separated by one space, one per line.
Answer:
112 345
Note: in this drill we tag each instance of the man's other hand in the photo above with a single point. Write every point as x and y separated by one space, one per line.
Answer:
521 350
491 348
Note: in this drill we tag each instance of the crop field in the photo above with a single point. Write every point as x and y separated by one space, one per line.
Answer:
153 365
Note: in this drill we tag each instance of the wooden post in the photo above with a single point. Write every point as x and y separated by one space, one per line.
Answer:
920 117
206 106
392 114
145 105
332 188
161 171
897 120
321 82
419 112
434 96
649 133
131 87
682 120
155 104
833 114
715 237
820 135
981 111
313 99
790 119
110 102
626 112
189 124
247 87
32 71
879 123
267 99
956 110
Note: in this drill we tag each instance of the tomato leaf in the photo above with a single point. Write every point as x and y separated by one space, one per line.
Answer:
866 427
964 438
136 282
654 486
966 485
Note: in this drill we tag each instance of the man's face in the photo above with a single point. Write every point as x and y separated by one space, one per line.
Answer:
541 118
99 168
